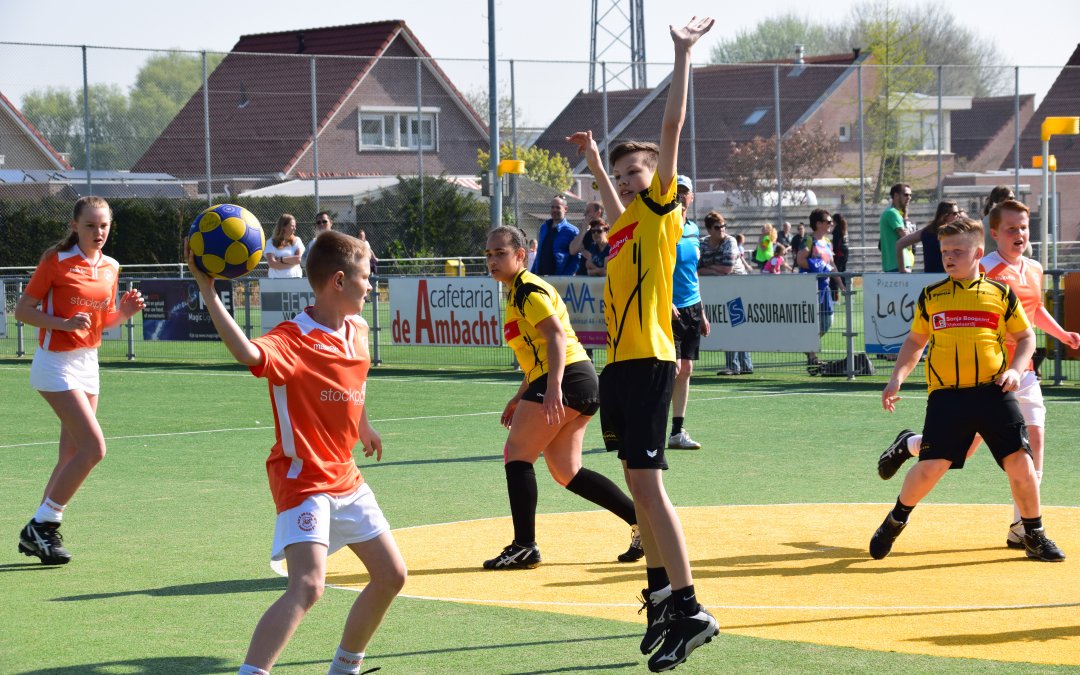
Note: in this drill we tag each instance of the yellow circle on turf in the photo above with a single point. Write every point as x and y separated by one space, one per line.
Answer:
795 572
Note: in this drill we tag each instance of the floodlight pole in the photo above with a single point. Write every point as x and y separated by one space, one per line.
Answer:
493 121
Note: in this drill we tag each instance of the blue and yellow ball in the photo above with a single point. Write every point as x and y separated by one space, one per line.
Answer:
227 241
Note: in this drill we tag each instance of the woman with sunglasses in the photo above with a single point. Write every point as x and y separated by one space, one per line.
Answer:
596 263
947 212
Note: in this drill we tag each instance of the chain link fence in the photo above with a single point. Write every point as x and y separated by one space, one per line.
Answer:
390 144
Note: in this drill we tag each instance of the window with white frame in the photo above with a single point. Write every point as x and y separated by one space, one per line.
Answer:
398 128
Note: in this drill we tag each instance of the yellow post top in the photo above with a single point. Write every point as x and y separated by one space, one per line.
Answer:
511 166
1036 162
1060 126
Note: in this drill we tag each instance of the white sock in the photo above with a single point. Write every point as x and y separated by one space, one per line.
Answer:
346 663
252 670
49 512
913 443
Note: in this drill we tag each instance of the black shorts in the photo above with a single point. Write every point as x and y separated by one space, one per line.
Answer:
687 332
954 416
580 388
634 400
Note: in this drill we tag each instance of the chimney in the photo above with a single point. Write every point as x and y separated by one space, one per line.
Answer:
799 54
856 51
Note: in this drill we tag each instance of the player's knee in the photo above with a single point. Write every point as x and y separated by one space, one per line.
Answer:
92 453
307 590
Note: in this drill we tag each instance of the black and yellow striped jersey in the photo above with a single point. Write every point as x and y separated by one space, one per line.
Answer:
529 301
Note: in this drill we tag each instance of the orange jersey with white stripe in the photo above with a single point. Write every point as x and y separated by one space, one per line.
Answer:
67 283
1025 278
318 380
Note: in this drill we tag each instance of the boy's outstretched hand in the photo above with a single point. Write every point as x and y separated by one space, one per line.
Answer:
585 145
686 36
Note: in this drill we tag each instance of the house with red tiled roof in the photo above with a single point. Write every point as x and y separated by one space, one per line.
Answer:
365 108
1062 100
983 136
732 104
22 146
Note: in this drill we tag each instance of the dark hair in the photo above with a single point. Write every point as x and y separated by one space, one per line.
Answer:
323 213
72 238
999 194
714 218
944 208
961 226
515 236
898 188
596 206
651 150
839 225
334 252
1007 205
819 216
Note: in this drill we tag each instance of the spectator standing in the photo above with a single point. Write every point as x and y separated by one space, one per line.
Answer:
285 250
947 212
784 235
798 241
362 236
818 258
323 223
688 320
553 257
583 245
530 255
720 257
893 225
840 252
763 253
596 263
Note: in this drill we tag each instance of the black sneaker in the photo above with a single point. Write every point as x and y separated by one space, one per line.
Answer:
515 557
635 552
894 456
882 541
684 635
657 615
45 541
1015 537
1041 548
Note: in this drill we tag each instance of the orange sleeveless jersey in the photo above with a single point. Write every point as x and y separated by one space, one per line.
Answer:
67 283
1025 279
318 380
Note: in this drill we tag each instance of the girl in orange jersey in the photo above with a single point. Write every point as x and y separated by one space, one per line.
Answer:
552 407
71 298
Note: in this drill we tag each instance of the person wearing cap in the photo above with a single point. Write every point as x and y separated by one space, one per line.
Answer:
688 320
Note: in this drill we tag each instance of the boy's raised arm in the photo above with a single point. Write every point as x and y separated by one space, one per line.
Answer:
238 343
675 110
587 146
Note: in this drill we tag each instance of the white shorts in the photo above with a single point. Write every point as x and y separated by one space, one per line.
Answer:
1030 397
333 521
65 371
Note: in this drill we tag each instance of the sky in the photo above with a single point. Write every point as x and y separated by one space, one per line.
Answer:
456 34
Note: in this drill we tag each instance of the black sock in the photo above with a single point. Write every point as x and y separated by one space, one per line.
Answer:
599 490
657 577
900 512
521 486
676 424
684 600
1032 524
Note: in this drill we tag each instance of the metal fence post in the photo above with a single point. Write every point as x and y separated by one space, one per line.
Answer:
420 139
779 161
314 138
20 345
131 329
862 172
247 307
1016 131
86 122
849 316
693 139
206 130
604 107
940 133
514 143
376 358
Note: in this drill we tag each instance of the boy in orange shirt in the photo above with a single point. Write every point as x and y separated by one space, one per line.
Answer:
316 365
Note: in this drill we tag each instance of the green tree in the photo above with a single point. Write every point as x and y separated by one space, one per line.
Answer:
773 38
427 216
751 168
542 166
122 123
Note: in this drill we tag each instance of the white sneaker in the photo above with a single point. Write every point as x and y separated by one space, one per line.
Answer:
682 441
1015 538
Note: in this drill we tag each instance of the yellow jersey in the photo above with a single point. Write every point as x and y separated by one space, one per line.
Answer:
529 301
640 267
967 322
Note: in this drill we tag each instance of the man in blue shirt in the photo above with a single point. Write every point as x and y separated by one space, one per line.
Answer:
553 256
688 320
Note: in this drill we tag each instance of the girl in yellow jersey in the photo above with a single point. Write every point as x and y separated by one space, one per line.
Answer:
551 408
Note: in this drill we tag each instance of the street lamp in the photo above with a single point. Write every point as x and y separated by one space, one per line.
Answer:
1051 126
1036 163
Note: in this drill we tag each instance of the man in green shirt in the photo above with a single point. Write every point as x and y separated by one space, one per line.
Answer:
893 225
